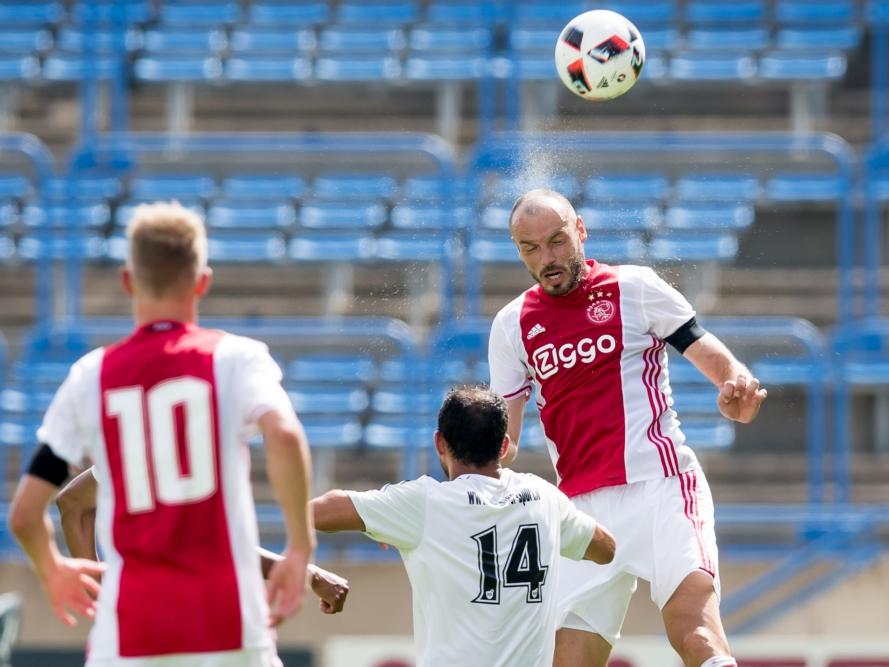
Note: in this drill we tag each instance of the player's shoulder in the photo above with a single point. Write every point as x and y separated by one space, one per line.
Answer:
421 486
635 273
88 365
509 314
239 346
526 479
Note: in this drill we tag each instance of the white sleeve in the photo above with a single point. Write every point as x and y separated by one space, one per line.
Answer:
577 528
509 377
395 514
664 308
71 422
261 389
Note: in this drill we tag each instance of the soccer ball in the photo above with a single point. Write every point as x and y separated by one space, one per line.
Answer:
599 55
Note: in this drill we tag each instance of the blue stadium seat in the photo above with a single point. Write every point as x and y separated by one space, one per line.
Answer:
879 187
329 368
7 248
124 211
815 38
200 13
78 247
745 39
439 39
119 12
400 400
74 40
263 187
309 399
445 68
717 186
495 216
713 216
184 68
171 41
66 215
255 41
24 399
699 12
709 434
628 187
251 215
290 14
246 248
816 11
789 370
51 373
531 67
331 248
24 41
350 41
694 399
9 215
172 186
508 189
378 12
268 68
716 66
332 432
682 372
19 68
537 40
399 432
354 186
616 217
661 39
18 433
405 371
30 13
430 216
791 65
644 13
342 215
693 247
499 250
412 247
434 188
95 188
351 68
542 13
804 187
877 12
14 186
481 13
67 67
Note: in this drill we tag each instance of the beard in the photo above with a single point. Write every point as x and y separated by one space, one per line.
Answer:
573 269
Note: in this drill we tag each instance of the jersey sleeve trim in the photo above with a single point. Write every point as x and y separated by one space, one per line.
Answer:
685 335
517 393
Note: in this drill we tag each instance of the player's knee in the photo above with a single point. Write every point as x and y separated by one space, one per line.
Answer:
699 643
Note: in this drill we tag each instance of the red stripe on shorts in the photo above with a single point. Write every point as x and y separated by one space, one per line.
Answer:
688 482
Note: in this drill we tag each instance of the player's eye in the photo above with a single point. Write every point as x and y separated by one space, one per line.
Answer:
528 249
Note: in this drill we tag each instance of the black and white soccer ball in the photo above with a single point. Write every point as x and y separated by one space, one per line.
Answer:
600 55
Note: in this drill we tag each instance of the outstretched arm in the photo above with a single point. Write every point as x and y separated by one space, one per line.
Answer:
330 588
602 547
77 508
740 395
515 410
335 511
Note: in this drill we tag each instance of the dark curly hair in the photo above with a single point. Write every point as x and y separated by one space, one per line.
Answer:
473 422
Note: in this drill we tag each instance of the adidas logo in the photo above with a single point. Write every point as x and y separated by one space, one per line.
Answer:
536 329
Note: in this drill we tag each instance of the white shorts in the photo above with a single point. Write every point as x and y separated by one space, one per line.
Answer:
664 531
256 657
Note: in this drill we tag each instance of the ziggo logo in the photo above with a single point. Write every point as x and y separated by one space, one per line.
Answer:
548 359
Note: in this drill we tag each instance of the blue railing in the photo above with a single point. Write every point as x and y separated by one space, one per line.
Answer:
876 177
503 152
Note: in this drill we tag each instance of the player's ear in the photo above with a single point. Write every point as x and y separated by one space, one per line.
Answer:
205 278
581 229
126 280
504 448
441 445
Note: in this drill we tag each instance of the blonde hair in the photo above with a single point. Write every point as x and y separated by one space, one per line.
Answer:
167 247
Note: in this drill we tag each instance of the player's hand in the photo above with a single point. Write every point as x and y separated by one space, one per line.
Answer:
287 585
740 399
72 587
330 588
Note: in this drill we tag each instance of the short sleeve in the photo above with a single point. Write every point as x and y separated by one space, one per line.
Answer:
509 377
69 426
577 528
664 307
261 390
395 514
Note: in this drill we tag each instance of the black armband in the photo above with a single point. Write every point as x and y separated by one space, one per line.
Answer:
47 466
685 335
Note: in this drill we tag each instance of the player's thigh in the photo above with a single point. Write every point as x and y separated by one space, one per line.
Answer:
575 648
258 657
692 620
683 536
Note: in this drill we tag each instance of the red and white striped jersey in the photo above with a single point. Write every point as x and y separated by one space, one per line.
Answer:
596 359
165 415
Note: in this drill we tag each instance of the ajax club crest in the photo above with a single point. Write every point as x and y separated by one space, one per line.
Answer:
600 312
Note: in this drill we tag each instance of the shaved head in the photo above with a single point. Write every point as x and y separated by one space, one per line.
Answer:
534 202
